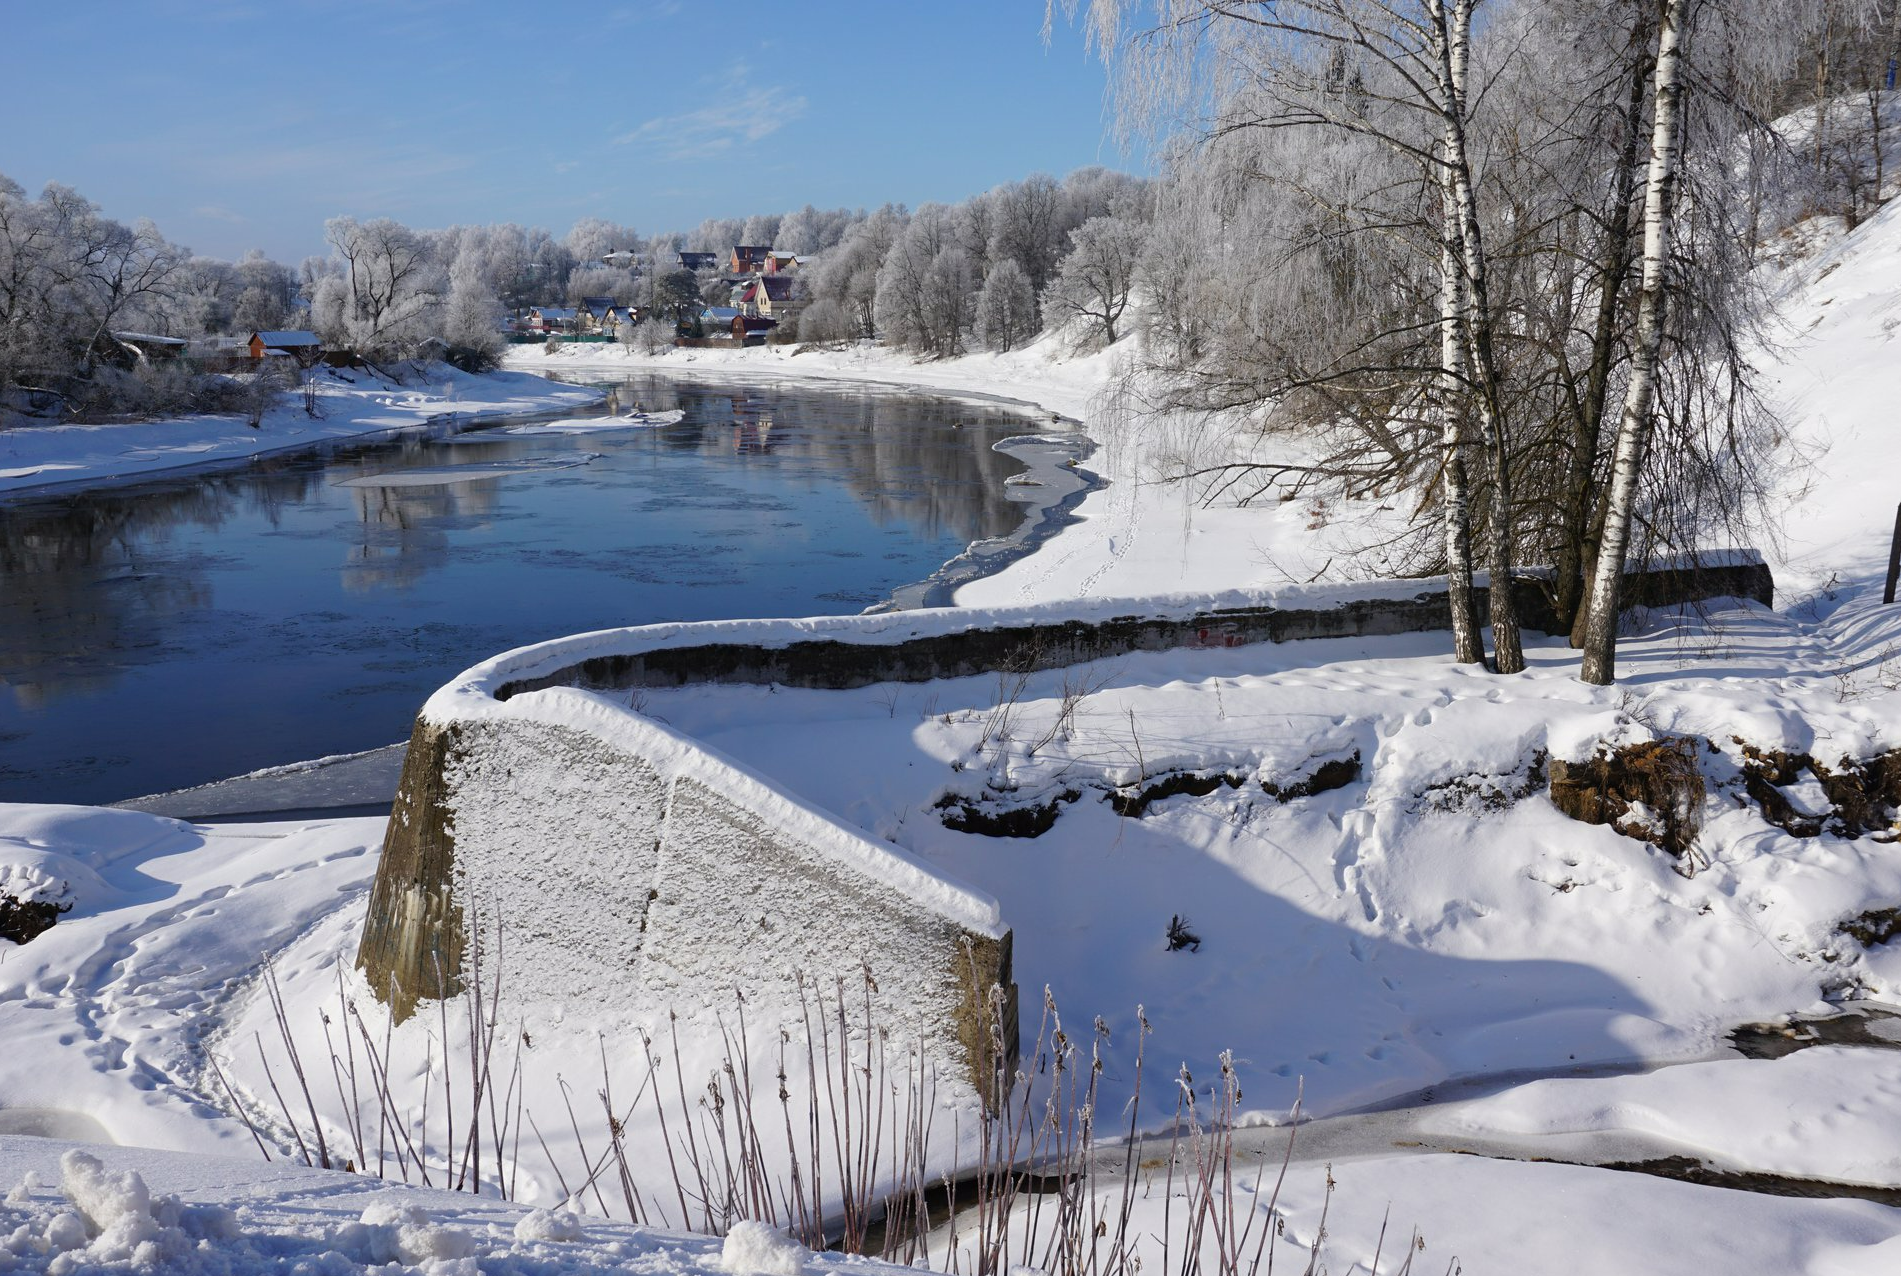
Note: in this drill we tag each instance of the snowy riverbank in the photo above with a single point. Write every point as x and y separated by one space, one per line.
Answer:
354 403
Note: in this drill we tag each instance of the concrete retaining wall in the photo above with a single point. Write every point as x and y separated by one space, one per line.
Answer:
636 871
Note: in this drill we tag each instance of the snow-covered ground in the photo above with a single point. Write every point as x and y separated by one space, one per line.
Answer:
351 404
113 1209
1436 918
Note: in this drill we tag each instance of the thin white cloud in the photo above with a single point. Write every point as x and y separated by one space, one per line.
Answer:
740 117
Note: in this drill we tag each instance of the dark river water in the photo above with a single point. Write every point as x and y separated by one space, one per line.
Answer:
184 630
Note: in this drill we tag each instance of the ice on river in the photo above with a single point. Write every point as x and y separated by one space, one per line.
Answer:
600 424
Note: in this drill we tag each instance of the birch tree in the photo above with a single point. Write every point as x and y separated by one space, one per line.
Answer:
1396 71
1636 424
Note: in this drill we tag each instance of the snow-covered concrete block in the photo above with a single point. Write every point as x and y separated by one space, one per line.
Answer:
612 870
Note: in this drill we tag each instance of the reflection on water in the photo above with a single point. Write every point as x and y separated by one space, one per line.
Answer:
176 632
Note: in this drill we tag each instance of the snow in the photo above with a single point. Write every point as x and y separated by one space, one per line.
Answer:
113 1209
1827 1112
601 424
754 1249
1839 311
1434 927
1431 922
353 404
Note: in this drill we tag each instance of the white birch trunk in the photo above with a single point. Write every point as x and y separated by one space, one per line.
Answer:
1468 647
1637 422
1454 28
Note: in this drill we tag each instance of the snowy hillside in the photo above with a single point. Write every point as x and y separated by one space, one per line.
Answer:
1839 379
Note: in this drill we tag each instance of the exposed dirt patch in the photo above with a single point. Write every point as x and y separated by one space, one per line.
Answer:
1326 773
1688 1169
23 920
1136 801
1863 796
1478 793
1866 1025
1876 926
1765 771
1651 791
990 819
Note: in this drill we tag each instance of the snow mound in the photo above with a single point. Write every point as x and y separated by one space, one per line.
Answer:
548 1225
753 1249
392 1231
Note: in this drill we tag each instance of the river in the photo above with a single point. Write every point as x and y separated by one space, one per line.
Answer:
177 631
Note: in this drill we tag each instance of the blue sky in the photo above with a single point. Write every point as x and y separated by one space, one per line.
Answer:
244 123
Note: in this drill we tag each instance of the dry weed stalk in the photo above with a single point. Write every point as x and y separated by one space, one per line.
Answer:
846 1162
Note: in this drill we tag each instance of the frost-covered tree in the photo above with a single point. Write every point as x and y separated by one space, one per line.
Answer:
810 231
1093 281
592 238
1030 226
1180 278
925 286
827 321
1006 312
716 235
846 278
383 287
598 280
761 229
1430 229
267 297
471 319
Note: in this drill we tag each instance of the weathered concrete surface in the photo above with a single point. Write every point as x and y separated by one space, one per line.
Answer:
413 937
631 876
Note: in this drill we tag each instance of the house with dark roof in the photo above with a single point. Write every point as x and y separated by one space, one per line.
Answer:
594 312
748 259
619 319
770 297
752 330
699 261
304 347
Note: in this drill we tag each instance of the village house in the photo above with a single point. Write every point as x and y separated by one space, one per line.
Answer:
305 348
778 263
593 314
699 261
770 297
619 321
752 330
748 259
718 319
551 319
